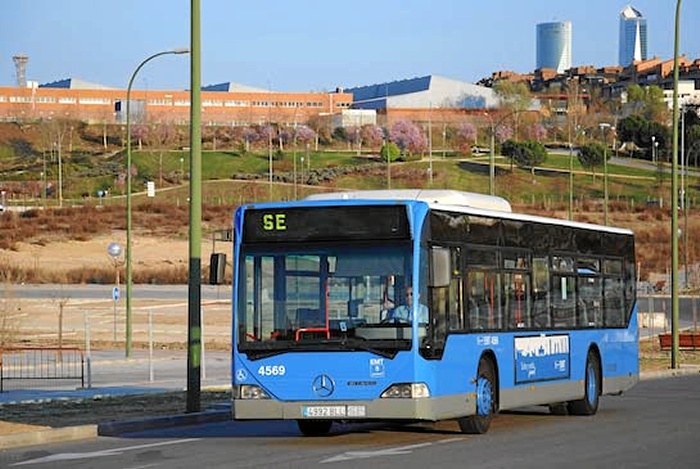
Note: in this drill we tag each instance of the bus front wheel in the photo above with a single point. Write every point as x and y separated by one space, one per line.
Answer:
485 400
589 404
314 427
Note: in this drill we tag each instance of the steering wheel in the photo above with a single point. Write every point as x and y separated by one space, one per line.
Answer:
388 320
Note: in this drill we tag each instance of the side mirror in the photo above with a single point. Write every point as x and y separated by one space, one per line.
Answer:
217 268
440 268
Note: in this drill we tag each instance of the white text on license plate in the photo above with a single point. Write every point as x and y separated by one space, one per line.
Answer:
333 411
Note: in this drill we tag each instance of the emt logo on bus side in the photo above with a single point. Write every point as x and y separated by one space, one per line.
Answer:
274 221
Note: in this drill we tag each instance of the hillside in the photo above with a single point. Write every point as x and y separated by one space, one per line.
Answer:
70 244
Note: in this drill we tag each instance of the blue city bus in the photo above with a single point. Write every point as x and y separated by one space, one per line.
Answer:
506 310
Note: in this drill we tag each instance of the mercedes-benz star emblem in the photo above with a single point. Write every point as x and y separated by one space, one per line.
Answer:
323 385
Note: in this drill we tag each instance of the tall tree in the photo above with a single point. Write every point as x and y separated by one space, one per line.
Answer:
647 102
591 156
514 96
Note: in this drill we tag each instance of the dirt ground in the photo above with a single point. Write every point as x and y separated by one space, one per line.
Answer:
63 318
67 255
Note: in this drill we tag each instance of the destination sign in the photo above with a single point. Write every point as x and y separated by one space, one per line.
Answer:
325 223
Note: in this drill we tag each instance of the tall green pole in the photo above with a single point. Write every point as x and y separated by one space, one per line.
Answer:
604 127
194 330
674 199
492 156
571 176
128 260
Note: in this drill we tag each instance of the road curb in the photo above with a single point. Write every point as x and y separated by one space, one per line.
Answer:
49 435
670 373
195 418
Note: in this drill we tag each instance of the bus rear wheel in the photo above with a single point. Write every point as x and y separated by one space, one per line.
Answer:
589 404
485 400
314 427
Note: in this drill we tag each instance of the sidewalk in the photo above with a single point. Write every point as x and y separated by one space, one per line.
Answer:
111 373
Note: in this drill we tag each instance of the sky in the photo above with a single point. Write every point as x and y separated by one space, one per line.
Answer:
315 45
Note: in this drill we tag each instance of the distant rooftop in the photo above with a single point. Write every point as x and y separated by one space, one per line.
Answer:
230 87
75 84
630 13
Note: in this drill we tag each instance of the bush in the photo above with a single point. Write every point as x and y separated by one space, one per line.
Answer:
390 152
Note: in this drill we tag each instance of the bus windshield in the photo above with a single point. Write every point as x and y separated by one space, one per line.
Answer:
335 297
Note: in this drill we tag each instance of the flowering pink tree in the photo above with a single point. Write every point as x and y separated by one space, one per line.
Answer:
503 133
465 136
248 135
354 137
139 132
267 133
372 135
408 137
305 134
538 132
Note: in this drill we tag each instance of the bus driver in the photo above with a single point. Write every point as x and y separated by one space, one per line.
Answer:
402 314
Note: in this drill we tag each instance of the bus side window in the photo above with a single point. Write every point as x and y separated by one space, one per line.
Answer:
455 319
540 292
613 302
590 312
478 306
517 286
484 305
564 304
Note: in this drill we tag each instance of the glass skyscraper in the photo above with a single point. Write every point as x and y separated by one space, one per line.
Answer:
633 36
554 46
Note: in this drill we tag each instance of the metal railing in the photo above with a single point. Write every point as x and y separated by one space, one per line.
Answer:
41 367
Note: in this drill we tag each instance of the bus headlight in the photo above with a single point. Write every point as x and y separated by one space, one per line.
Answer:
406 391
249 391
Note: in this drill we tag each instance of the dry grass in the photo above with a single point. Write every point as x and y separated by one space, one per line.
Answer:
652 226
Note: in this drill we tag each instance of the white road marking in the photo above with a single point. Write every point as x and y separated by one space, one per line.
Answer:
98 454
387 452
373 454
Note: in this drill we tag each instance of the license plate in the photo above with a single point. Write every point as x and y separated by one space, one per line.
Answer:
325 411
334 411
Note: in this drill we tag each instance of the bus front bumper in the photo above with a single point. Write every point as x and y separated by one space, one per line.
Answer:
431 409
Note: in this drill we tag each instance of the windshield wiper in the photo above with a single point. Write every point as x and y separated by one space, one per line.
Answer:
355 344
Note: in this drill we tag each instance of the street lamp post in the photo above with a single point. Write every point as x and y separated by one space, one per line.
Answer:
60 171
603 127
269 156
115 252
128 189
492 161
674 194
430 143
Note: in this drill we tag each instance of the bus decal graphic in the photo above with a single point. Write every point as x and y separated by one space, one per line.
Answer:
541 358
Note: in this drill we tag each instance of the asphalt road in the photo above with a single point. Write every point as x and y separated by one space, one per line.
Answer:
656 424
96 292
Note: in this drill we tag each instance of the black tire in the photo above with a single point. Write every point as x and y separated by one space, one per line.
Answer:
485 401
589 404
314 427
